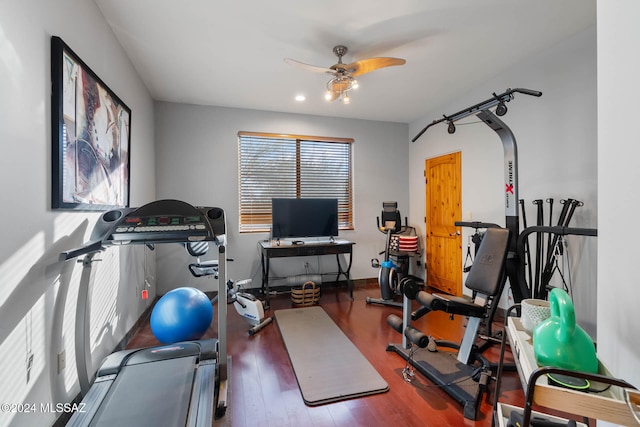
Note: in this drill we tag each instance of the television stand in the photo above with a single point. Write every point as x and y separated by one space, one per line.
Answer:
281 249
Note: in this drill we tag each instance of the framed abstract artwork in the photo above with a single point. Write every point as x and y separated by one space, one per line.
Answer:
91 136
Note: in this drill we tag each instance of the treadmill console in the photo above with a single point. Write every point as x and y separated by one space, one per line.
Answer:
162 221
160 227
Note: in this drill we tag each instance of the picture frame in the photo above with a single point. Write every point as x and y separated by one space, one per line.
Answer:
90 137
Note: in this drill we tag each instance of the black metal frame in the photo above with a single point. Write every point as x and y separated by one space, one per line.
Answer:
540 286
61 52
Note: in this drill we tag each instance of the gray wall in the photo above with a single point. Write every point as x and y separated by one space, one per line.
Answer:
197 161
619 175
38 293
557 152
556 136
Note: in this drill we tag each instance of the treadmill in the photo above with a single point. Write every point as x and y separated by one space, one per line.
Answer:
180 384
172 385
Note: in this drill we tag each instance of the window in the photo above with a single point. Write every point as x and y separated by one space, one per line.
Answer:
287 166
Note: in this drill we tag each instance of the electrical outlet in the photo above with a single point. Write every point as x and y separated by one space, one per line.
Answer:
62 361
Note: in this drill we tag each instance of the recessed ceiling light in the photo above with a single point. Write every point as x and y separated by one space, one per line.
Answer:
300 98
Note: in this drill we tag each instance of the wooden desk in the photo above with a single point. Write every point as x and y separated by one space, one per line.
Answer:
270 250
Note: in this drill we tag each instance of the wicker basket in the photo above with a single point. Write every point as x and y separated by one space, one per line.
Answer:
305 295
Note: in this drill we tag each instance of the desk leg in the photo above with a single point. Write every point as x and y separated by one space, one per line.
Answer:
346 273
264 261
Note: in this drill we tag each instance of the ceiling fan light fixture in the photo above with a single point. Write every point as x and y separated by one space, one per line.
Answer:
343 74
339 87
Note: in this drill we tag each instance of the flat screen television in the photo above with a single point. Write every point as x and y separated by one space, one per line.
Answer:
304 218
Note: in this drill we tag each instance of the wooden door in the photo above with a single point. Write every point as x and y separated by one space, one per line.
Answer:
443 207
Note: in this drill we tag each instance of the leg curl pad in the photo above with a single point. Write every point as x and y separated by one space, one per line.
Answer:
395 322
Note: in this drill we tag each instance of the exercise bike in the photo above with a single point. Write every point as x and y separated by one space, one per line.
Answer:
247 305
397 255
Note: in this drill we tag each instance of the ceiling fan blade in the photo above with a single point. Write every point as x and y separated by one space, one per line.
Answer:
371 64
308 67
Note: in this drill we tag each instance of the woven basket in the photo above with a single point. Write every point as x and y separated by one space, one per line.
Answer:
307 294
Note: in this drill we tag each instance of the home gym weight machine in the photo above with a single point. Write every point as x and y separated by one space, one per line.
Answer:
459 368
184 383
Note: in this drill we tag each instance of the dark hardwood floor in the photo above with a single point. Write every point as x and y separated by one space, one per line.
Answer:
264 391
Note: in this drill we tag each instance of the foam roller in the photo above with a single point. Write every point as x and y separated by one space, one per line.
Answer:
416 337
425 299
395 322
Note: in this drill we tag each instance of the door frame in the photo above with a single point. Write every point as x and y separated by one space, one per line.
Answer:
443 240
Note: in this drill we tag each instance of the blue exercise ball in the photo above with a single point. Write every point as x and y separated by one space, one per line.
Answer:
180 315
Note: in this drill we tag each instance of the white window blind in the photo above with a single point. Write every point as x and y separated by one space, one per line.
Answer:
292 166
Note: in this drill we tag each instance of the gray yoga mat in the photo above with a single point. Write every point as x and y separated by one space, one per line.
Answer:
328 366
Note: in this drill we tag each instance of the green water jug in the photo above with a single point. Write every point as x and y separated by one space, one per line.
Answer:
558 341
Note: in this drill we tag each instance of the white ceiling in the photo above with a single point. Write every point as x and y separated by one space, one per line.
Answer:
231 52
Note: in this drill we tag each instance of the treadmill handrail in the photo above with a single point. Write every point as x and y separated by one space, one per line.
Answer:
84 250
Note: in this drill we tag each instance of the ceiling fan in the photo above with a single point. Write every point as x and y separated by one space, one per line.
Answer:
343 74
